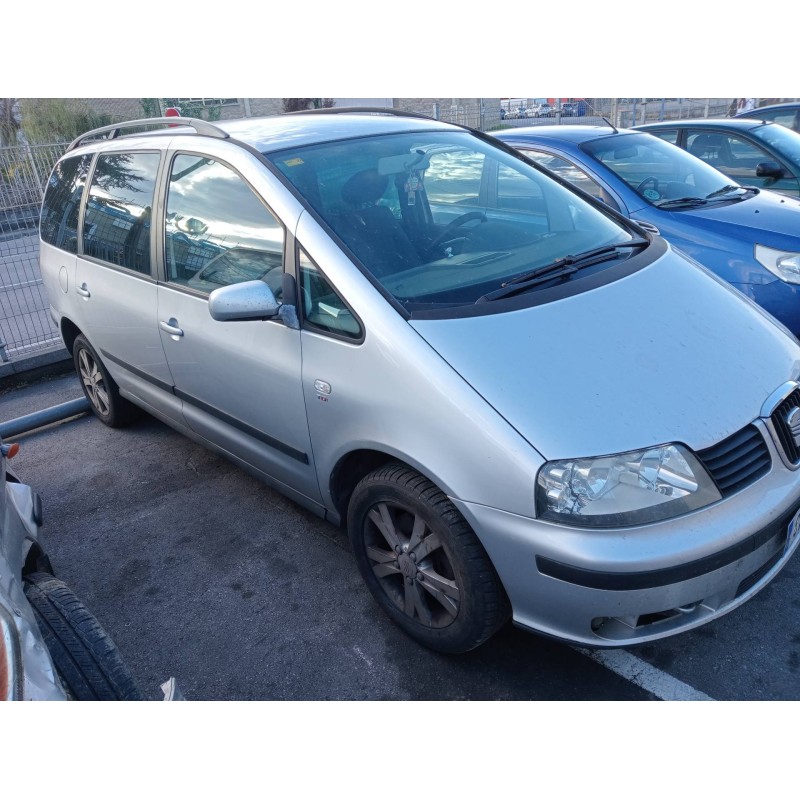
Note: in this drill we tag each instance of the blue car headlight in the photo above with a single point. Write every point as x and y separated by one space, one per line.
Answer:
626 489
783 264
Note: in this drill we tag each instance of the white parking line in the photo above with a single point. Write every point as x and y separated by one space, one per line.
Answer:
645 675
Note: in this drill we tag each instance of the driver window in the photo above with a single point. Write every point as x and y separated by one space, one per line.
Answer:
218 232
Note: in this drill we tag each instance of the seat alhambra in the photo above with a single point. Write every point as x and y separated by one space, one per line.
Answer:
518 402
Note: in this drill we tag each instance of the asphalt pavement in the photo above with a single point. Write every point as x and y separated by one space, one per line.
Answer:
199 571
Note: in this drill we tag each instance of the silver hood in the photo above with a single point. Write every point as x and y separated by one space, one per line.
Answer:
667 354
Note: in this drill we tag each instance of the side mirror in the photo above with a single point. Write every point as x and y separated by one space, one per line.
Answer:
248 300
769 169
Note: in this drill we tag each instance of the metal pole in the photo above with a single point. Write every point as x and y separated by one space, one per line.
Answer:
661 115
38 419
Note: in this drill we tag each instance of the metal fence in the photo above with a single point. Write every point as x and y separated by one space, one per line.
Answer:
25 323
621 112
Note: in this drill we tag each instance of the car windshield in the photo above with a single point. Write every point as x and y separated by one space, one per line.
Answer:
442 218
658 171
784 140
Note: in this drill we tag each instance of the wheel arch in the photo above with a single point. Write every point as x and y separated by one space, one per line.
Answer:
354 466
69 333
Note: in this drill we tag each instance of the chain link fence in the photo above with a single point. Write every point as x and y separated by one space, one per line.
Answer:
25 323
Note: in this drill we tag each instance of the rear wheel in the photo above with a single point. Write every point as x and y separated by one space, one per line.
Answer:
100 388
87 661
422 562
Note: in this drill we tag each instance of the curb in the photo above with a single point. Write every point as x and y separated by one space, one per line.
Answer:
55 361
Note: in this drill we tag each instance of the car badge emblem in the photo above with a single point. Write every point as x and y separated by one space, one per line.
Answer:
793 421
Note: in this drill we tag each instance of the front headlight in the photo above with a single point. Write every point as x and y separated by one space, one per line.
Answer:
625 489
781 263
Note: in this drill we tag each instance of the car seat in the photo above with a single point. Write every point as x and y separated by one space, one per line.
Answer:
371 230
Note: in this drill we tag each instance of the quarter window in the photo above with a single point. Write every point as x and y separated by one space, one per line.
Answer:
323 309
218 232
120 210
62 200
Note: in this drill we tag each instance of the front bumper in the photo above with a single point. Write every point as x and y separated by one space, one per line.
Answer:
611 588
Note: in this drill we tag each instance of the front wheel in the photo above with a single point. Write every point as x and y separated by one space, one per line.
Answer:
422 562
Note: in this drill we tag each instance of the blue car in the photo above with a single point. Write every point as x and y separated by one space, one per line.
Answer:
751 151
747 236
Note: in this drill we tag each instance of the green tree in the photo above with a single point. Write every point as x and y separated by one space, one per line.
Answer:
46 120
9 121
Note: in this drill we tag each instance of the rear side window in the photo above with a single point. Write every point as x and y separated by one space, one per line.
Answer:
62 200
667 136
218 232
120 208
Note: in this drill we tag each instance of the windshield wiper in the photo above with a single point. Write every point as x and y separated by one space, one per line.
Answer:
724 190
682 201
560 268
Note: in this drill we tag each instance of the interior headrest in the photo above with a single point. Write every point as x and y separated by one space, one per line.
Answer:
366 186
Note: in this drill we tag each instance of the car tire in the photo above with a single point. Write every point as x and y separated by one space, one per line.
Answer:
100 388
87 661
422 562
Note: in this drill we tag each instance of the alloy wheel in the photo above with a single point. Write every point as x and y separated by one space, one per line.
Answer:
411 564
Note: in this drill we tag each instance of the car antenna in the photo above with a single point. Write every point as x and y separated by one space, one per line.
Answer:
608 122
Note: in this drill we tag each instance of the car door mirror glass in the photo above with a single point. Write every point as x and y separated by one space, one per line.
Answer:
241 301
769 169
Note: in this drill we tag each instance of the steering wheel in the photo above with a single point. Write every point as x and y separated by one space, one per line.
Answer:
649 179
456 223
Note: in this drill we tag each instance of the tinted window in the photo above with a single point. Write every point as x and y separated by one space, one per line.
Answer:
62 200
218 232
119 211
322 306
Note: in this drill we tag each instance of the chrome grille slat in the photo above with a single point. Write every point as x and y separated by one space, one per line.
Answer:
782 429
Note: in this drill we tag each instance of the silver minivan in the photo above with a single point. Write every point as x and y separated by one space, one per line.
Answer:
517 401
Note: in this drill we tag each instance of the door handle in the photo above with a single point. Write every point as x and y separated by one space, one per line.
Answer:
83 290
170 327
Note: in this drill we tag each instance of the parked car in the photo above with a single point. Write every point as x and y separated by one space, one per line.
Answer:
51 646
541 110
751 238
568 110
751 152
786 114
518 401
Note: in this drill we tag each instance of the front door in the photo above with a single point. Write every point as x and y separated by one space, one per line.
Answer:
240 381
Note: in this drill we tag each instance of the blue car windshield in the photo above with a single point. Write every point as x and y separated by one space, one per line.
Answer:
657 170
442 218
782 139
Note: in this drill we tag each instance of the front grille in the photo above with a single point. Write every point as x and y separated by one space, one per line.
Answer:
737 461
782 428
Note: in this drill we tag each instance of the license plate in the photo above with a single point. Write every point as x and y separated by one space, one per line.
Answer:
793 532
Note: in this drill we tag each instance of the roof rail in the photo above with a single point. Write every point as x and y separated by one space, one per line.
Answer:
200 125
394 112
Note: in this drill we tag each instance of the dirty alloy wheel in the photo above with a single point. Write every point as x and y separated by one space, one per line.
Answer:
100 388
422 562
